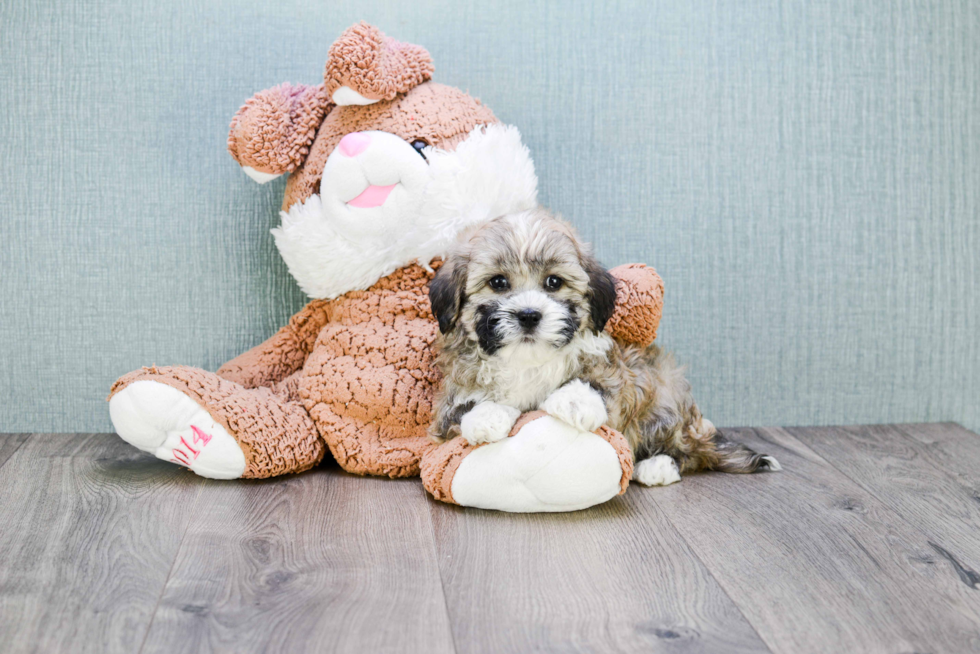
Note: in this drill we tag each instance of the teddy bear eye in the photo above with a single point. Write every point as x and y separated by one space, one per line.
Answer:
553 282
420 145
499 283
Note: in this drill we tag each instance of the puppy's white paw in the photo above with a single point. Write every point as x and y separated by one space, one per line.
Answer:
488 422
659 470
771 463
577 404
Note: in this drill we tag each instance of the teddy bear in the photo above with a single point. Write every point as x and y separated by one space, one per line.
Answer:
386 168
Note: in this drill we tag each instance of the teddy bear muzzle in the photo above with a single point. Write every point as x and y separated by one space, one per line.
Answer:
374 180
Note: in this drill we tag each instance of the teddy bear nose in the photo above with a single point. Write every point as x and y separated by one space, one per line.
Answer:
354 143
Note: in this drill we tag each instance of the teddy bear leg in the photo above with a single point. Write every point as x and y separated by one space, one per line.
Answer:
214 427
369 448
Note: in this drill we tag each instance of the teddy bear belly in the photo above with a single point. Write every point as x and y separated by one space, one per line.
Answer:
370 387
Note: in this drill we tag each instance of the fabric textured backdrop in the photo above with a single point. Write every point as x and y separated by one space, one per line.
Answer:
804 175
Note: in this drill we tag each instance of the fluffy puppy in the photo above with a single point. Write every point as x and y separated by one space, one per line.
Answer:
522 306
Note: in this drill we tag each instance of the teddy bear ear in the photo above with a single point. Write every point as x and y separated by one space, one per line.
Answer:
365 66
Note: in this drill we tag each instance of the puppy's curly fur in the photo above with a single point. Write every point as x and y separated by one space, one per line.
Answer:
522 305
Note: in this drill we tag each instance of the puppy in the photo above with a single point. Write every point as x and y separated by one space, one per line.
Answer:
521 306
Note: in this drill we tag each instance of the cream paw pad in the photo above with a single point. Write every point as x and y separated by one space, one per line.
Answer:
545 465
161 420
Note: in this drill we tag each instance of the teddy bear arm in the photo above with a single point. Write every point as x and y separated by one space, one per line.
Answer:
281 355
273 131
639 304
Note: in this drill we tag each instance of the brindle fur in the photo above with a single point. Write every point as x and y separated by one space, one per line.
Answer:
647 397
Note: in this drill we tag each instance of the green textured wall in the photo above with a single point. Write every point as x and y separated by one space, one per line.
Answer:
805 176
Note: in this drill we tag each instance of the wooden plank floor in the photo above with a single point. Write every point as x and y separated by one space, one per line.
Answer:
867 541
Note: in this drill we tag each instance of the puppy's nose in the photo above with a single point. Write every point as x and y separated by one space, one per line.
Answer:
354 143
528 318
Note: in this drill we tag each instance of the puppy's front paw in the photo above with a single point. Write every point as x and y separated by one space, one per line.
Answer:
577 404
488 422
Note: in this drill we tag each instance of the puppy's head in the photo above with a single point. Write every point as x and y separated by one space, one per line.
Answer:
523 284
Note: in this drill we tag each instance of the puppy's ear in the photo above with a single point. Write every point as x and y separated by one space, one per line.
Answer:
602 293
446 293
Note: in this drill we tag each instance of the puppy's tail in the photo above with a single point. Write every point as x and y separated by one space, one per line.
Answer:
735 457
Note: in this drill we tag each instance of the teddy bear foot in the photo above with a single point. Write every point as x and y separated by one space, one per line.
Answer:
161 420
545 465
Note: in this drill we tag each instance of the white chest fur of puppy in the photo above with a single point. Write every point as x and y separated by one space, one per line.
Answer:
524 376
525 379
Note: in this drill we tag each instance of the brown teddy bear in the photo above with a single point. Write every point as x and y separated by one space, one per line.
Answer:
386 169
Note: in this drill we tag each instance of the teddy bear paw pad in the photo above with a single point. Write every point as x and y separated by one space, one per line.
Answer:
546 466
161 420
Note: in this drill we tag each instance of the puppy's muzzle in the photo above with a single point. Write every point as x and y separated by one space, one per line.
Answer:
528 319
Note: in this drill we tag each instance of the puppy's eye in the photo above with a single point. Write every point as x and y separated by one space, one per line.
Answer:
553 282
499 283
420 145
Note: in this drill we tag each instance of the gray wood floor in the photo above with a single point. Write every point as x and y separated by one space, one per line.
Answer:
868 541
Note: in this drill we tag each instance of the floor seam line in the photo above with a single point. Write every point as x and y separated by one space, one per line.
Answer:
442 581
711 573
898 512
17 449
166 581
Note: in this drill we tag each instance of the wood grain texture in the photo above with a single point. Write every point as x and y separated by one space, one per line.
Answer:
10 443
90 530
818 564
862 544
323 561
614 578
928 474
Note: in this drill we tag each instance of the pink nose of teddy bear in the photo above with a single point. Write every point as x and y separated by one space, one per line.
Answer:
354 143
